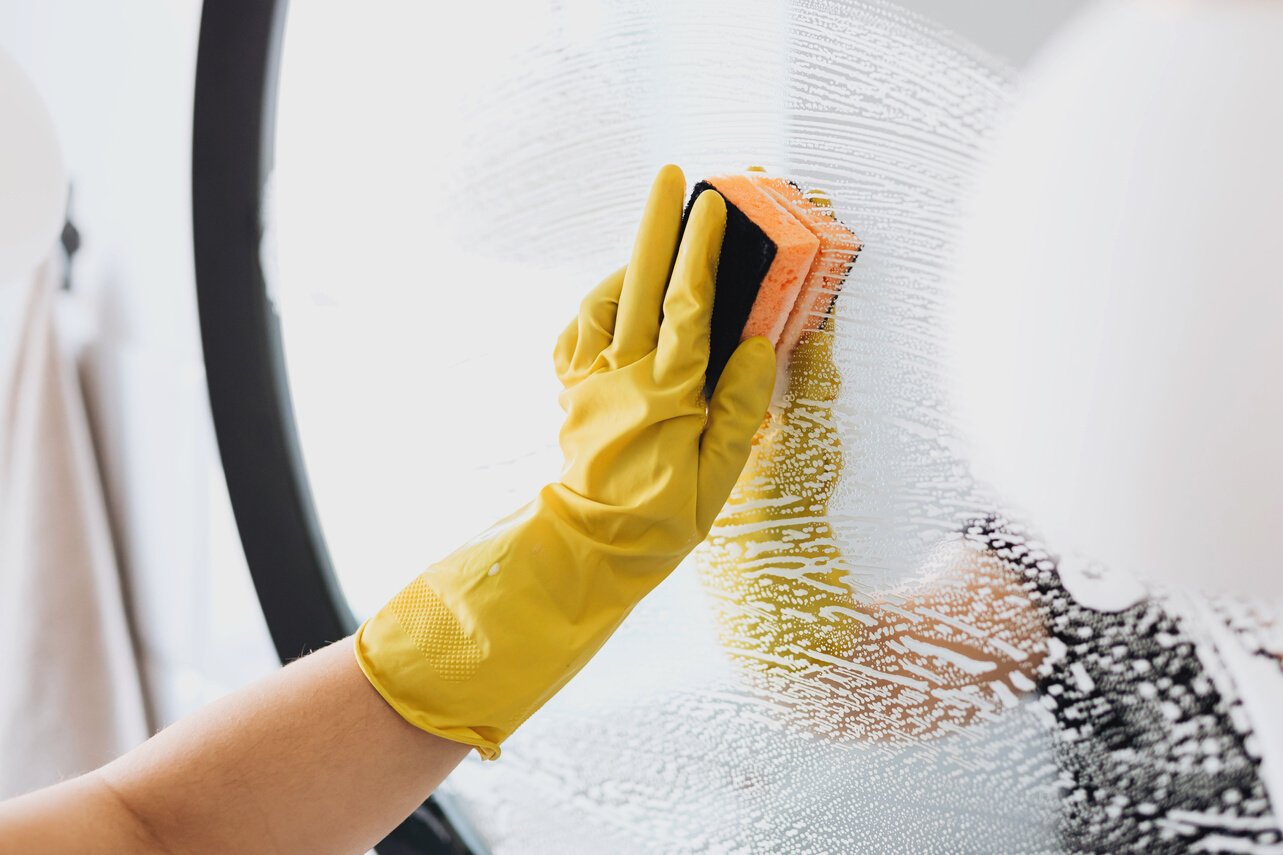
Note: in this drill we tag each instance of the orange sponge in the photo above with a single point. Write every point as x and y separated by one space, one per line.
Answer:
784 258
795 249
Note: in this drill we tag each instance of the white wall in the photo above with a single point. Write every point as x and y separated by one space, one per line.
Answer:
118 79
1011 29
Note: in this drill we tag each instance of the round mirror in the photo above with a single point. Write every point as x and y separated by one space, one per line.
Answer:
447 186
866 655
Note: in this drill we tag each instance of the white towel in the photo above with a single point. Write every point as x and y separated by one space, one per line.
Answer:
70 694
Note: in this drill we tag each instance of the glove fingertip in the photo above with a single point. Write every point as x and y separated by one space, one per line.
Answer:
709 206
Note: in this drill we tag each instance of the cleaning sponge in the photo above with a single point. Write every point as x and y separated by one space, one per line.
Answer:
784 257
837 252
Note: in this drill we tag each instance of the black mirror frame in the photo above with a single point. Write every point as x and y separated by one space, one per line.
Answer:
232 154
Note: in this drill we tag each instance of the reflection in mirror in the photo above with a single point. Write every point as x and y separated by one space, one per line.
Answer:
870 653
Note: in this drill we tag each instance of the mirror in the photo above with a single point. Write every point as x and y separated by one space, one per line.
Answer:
867 655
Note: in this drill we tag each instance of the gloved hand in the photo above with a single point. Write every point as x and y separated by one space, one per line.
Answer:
478 642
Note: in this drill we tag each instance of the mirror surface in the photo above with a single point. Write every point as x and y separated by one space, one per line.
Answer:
866 656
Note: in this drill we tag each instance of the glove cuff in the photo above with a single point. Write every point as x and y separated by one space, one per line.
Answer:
474 645
382 642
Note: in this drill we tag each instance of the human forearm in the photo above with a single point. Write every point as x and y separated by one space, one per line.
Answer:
310 759
82 815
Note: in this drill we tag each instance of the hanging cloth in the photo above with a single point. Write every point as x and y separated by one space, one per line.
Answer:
70 691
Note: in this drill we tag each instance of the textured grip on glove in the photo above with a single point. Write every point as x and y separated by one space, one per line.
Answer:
435 631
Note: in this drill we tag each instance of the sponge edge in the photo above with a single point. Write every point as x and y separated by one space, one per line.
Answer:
838 250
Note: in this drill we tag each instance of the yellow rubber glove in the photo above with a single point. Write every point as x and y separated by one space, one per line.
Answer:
472 647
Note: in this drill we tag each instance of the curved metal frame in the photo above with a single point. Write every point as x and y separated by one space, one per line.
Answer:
232 147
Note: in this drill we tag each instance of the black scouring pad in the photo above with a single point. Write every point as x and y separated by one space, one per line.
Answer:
746 257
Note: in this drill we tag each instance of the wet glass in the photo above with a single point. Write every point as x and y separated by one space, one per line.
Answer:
867 654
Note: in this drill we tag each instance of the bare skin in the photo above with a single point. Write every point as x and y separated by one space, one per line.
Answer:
310 759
